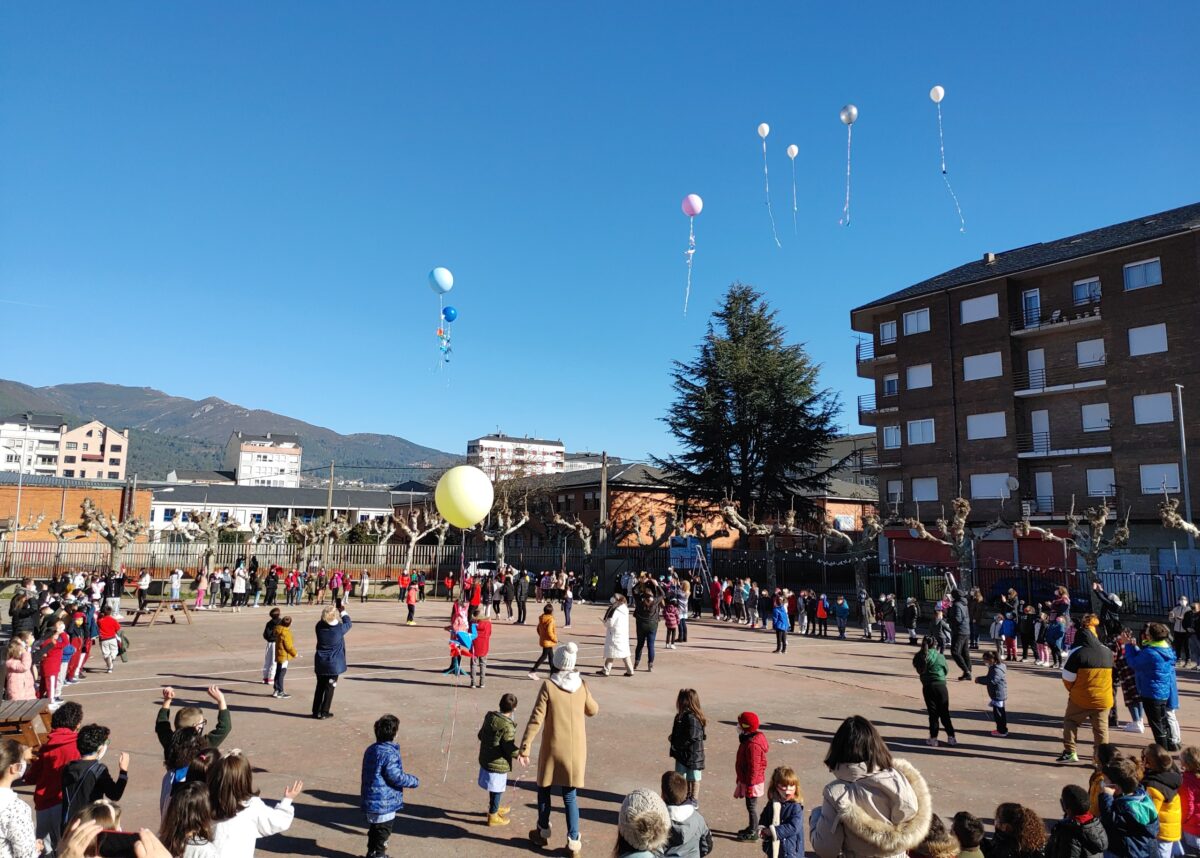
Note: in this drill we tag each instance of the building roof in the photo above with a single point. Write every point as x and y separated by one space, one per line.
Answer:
273 437
591 457
183 476
634 474
843 490
34 418
1146 228
185 494
503 437
9 478
411 487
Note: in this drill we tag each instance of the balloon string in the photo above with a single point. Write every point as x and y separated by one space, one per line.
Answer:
795 229
962 223
845 221
689 253
767 190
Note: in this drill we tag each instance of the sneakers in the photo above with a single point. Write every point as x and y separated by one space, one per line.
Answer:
1134 727
574 846
1067 757
533 676
281 695
747 835
933 743
495 819
951 741
999 735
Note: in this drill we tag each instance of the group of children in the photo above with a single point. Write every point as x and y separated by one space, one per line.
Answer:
1039 632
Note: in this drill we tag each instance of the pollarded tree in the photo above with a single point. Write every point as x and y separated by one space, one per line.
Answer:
861 549
118 534
960 537
749 415
1086 535
207 529
306 534
416 524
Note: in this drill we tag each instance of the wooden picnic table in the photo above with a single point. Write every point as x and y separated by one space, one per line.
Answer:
20 719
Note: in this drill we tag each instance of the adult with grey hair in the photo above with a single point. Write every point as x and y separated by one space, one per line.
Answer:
330 660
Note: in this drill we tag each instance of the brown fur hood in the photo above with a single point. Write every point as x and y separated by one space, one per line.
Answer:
863 820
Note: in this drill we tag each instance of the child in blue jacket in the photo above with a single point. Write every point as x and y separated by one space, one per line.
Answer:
781 622
1127 812
781 826
383 783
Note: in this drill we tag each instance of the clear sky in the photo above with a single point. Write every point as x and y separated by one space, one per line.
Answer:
243 200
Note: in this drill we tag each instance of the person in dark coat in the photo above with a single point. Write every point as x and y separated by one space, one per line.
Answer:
960 633
521 592
330 660
1079 834
687 739
383 783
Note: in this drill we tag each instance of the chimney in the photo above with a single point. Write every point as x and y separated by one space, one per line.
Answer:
989 258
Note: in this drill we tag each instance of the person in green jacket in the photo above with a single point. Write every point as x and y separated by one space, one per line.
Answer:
931 666
192 717
497 748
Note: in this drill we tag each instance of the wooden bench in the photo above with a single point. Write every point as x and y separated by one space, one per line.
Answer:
21 720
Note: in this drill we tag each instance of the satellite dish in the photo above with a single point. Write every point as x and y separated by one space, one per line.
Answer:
1013 484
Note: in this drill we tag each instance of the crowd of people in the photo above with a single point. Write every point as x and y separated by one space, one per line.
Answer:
1132 806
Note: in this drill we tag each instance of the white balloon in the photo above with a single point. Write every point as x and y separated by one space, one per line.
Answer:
848 114
937 94
763 130
793 151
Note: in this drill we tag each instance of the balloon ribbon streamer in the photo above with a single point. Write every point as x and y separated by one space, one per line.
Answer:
767 189
845 221
689 253
962 224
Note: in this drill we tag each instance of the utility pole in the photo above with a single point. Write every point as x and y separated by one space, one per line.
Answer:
602 530
328 511
1183 465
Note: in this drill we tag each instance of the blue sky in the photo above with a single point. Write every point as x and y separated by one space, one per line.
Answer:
244 199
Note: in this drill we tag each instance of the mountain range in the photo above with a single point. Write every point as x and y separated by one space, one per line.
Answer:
169 432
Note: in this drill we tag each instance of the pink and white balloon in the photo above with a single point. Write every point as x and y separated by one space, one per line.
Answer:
692 206
848 115
936 95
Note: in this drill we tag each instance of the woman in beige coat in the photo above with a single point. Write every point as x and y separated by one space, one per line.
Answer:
563 703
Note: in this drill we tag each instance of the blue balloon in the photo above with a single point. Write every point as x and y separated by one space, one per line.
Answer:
441 280
449 314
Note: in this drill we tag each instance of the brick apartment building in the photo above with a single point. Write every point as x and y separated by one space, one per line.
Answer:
1038 375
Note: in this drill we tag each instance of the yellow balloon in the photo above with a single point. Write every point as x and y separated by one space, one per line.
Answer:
464 496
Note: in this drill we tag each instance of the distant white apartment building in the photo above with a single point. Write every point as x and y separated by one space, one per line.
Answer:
42 444
264 460
586 461
503 455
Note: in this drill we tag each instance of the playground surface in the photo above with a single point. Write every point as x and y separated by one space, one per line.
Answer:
800 696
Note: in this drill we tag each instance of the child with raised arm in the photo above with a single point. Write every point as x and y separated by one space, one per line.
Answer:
192 716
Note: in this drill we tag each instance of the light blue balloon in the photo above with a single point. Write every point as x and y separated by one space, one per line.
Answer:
441 280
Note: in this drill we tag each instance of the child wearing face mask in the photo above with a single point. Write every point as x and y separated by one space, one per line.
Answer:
781 826
87 779
16 819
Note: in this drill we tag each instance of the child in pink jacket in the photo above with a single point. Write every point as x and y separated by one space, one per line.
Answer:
18 684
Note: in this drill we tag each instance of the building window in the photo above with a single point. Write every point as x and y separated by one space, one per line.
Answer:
224 516
85 446
989 486
919 376
895 491
114 475
978 309
1148 340
1101 482
891 384
69 460
990 425
891 437
924 488
1095 417
920 432
115 448
69 472
71 445
1086 291
1139 275
1159 478
887 332
89 433
169 514
256 518
916 322
115 462
987 365
1089 353
1153 408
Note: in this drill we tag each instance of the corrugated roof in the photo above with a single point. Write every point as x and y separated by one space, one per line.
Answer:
9 478
34 418
194 476
1146 228
272 437
184 494
516 440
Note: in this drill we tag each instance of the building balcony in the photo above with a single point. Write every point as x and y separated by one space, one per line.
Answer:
1084 312
1042 445
867 354
92 457
880 460
1057 506
869 406
1042 382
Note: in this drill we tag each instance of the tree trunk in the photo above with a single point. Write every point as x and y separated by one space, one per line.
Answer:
861 582
408 555
500 550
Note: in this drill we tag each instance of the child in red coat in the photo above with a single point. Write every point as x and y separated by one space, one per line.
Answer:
77 638
480 646
751 770
53 649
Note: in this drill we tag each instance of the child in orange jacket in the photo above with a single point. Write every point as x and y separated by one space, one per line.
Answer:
547 637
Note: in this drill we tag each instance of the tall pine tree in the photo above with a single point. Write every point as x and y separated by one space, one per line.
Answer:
748 413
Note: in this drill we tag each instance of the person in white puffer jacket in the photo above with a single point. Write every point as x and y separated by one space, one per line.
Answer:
242 817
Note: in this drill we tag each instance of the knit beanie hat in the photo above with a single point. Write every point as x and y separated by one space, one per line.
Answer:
748 721
564 656
644 823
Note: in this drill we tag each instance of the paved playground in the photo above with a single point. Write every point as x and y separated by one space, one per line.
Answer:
800 696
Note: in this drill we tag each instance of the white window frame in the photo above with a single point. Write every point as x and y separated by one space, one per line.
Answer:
992 479
884 339
886 445
908 377
1086 355
1101 482
898 495
914 315
1095 422
979 309
1155 474
920 486
921 425
1148 408
982 426
975 364
1147 331
1141 265
894 377
1093 295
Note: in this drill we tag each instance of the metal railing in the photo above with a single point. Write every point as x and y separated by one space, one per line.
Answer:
1026 320
1066 443
1038 504
1040 379
866 351
880 459
868 403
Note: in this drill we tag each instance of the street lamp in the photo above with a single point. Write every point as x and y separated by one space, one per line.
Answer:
1183 464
